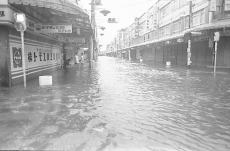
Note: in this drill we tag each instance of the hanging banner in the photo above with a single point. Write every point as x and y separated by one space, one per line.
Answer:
54 28
227 5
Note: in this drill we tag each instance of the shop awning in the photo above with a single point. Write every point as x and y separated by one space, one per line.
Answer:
58 5
56 12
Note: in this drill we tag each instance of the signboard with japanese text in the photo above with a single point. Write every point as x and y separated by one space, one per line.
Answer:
2 13
35 56
77 40
6 14
53 28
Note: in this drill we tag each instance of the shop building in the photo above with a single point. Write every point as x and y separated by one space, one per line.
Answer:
55 31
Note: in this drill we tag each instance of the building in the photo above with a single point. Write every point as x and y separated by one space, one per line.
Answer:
182 32
55 32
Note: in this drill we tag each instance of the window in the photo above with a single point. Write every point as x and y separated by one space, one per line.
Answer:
176 27
196 19
167 30
199 18
202 17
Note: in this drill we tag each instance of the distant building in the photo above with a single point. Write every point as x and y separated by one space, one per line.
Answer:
180 31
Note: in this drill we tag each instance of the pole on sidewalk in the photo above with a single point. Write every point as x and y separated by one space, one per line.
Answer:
216 39
23 59
215 57
189 54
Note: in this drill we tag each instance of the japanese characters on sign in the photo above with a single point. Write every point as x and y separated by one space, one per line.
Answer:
54 28
72 39
39 56
2 13
6 14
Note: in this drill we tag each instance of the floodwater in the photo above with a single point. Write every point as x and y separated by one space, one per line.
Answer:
119 105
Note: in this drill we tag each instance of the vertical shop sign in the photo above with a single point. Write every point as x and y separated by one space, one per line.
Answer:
2 13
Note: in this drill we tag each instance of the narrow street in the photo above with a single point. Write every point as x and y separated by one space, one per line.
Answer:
119 105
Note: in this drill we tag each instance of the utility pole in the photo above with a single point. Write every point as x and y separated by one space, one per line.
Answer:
20 25
216 39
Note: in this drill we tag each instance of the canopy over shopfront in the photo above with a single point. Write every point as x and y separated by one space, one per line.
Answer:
62 14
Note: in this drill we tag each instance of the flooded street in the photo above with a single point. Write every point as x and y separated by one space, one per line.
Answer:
119 105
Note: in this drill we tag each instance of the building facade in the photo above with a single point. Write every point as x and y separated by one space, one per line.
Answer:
182 32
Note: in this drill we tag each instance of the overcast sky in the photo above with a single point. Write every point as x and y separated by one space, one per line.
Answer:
124 10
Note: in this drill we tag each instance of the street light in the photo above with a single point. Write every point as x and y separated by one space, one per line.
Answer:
20 25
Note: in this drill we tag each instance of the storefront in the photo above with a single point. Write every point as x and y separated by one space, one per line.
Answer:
50 26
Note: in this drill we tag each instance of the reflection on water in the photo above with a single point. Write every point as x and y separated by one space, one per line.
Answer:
119 105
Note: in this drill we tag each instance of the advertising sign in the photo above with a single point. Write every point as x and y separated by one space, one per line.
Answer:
72 39
35 56
54 28
6 14
2 13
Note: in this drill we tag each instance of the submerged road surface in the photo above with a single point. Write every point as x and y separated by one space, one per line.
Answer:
119 105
